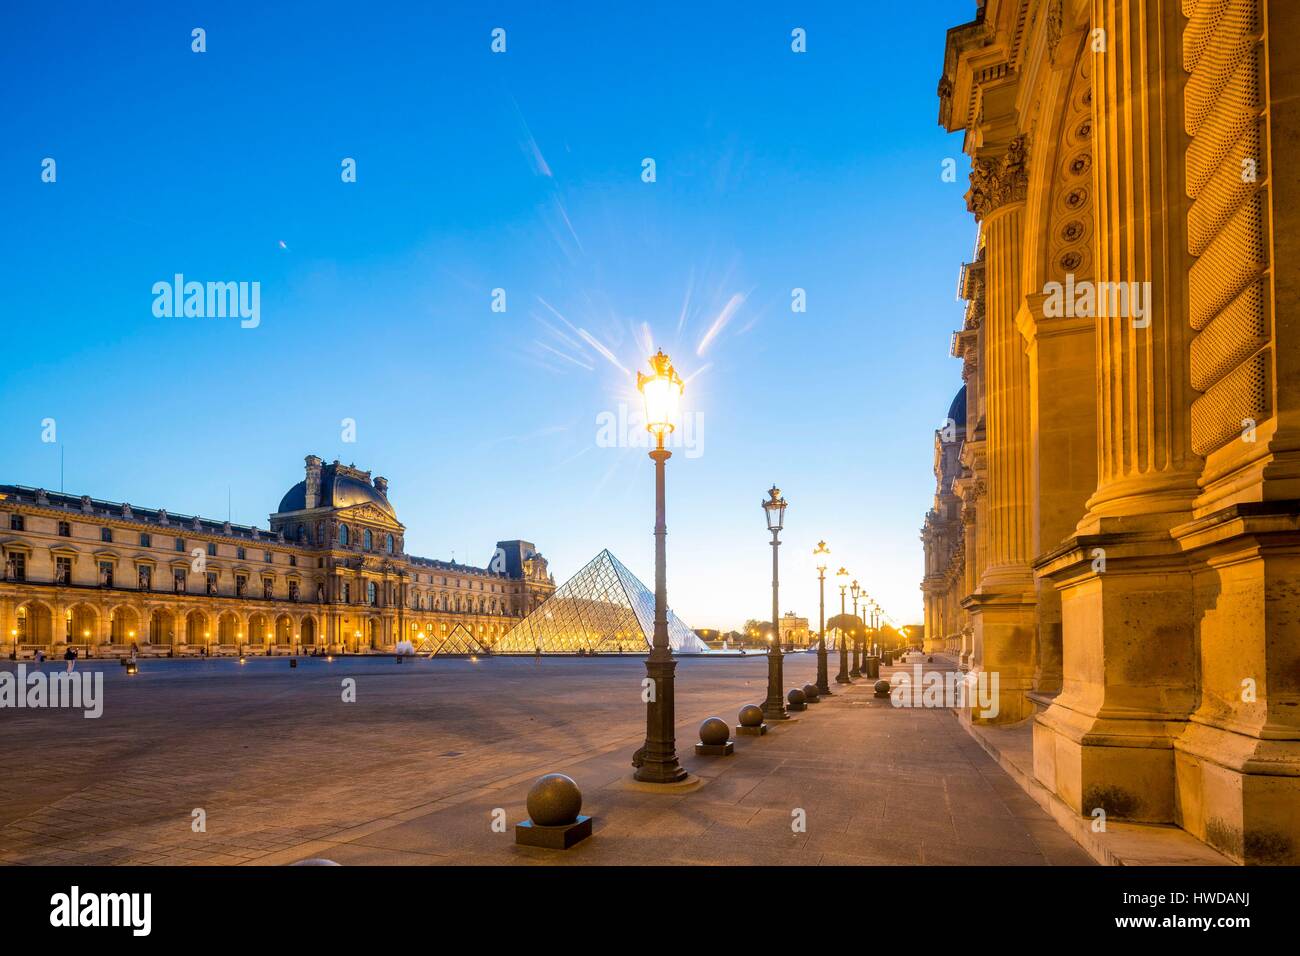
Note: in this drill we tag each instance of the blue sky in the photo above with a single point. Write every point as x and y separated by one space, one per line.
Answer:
476 171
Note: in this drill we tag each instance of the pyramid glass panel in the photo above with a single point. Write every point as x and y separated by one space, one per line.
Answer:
603 608
458 641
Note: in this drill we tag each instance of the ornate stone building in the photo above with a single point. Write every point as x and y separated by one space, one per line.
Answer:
1116 525
330 573
794 630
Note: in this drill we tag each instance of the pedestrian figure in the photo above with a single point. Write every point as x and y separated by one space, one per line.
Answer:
40 656
70 655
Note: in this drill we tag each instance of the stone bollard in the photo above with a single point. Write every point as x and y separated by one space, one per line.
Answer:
714 741
751 721
882 688
795 700
810 694
554 820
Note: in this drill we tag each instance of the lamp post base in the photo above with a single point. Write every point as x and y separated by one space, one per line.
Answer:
656 761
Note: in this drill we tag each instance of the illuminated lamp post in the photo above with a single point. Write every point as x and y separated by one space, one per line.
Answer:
656 761
842 577
774 706
855 670
819 554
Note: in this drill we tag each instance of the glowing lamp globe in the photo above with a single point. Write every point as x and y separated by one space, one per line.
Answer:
662 392
819 553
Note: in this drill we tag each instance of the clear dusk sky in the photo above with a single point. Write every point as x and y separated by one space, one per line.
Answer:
522 171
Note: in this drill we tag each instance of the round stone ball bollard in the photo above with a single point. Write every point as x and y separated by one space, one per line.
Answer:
554 800
554 809
811 694
796 699
714 730
751 721
715 739
882 688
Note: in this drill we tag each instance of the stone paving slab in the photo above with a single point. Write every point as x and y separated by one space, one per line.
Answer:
413 771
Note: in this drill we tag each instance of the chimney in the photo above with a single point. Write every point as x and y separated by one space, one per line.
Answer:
381 486
313 482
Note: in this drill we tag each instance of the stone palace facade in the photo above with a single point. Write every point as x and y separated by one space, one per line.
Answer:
1116 522
329 574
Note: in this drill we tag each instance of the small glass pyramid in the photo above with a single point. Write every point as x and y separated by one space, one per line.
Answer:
602 608
459 641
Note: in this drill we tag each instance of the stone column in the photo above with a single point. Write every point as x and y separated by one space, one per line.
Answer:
1129 672
1063 411
1238 761
1002 606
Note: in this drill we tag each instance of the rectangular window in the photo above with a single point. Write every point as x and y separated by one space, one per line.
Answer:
180 544
267 557
239 553
212 582
62 570
106 535
179 578
15 522
16 566
347 593
146 541
65 529
212 549
105 574
293 560
144 577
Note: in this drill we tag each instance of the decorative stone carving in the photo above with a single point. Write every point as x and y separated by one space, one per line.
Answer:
126 510
86 505
162 516
1055 27
42 496
994 183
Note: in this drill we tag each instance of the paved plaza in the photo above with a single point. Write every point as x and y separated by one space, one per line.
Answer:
415 769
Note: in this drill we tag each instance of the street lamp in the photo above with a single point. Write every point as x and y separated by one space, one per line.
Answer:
656 761
842 578
856 669
774 706
819 554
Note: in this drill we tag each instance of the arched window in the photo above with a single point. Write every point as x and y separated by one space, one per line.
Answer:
388 544
369 539
343 535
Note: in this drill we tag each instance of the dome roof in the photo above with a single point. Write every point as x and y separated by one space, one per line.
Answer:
957 410
337 491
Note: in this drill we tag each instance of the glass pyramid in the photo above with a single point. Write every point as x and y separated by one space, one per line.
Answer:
602 608
459 641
